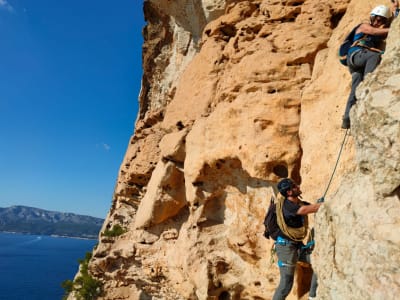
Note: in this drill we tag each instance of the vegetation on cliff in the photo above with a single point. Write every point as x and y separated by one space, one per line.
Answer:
84 287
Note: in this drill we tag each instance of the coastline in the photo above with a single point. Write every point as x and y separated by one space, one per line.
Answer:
52 235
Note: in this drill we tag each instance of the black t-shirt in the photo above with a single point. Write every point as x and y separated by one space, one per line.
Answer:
292 219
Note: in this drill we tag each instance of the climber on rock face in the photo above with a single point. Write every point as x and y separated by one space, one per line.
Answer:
292 219
365 54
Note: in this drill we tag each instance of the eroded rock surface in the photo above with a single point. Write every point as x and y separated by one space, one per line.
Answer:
358 229
235 95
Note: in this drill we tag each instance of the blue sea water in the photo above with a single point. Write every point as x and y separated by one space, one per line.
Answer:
33 267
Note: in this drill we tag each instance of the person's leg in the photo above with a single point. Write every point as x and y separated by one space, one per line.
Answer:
372 60
287 255
361 63
314 285
356 78
285 283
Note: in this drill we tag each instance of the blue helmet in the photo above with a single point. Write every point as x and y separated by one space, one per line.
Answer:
285 185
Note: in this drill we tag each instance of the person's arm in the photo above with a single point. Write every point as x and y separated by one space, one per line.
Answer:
368 29
308 209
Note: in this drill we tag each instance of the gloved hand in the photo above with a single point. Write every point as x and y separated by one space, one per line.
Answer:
321 200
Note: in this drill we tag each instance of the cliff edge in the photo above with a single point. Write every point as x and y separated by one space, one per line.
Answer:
236 95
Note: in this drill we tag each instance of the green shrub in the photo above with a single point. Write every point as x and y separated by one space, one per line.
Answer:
68 287
116 230
84 286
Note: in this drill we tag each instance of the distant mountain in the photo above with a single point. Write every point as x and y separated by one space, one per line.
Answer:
30 220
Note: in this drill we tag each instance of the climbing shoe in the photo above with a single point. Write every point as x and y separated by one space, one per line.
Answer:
346 123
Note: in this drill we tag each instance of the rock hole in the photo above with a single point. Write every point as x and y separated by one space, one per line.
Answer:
298 3
396 192
224 296
228 30
289 20
335 18
265 34
281 171
180 125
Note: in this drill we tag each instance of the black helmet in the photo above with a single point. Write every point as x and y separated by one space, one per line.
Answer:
285 185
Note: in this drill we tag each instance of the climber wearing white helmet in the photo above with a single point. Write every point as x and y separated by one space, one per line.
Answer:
365 54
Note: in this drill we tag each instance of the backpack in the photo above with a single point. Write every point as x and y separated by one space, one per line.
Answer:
346 45
270 222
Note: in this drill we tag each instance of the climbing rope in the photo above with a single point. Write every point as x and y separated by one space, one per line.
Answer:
337 161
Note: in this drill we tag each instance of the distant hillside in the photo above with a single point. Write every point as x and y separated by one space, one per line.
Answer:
23 219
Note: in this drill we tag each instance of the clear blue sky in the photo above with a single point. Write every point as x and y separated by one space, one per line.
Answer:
70 75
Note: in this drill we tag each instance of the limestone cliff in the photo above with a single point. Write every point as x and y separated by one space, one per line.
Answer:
236 95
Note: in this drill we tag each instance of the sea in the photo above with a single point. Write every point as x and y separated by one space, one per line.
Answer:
32 267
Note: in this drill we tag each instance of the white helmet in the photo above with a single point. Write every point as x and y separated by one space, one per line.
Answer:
381 10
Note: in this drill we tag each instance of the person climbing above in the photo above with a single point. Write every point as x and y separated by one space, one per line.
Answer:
291 213
365 54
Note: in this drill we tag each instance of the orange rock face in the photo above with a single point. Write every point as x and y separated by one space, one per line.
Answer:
235 95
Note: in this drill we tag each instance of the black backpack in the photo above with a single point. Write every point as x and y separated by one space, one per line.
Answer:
271 225
346 45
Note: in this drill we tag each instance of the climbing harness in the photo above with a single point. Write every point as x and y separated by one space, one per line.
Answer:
336 164
282 264
309 245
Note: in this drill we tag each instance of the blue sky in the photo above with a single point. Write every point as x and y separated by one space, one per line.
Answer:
70 75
